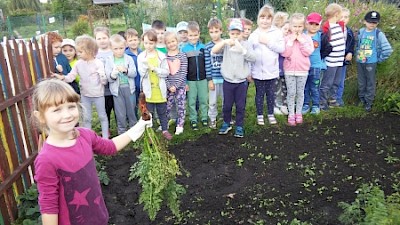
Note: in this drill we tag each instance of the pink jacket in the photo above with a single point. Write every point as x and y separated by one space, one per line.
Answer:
297 61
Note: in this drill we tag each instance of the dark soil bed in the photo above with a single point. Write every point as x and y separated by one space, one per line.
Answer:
274 176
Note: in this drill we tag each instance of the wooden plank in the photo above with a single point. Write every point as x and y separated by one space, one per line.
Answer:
4 211
17 98
36 56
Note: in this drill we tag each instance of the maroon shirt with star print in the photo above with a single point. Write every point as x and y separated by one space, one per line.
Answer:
67 180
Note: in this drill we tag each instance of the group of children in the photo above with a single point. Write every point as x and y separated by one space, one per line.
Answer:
284 58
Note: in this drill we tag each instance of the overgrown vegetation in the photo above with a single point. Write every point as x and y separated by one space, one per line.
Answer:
28 208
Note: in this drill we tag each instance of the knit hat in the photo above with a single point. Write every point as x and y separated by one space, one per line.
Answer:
372 17
314 18
236 24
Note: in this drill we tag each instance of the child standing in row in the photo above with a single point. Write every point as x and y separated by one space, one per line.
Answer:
247 28
176 80
121 72
68 49
235 69
93 79
153 69
181 30
65 172
299 47
267 42
160 28
196 76
213 70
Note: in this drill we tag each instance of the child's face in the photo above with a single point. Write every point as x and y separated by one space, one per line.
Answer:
235 34
149 46
118 49
246 31
133 42
160 36
264 22
215 33
171 43
193 36
61 119
183 36
285 29
82 53
102 40
297 26
312 28
370 26
345 17
56 48
69 52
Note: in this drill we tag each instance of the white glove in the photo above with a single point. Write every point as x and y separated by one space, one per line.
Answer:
136 131
114 74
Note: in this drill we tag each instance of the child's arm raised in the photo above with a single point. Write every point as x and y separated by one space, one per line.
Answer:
306 44
220 46
131 68
132 134
163 70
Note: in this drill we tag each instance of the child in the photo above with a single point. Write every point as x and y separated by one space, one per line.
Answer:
281 21
61 63
247 28
196 77
160 29
93 79
372 48
121 72
133 50
267 42
235 70
68 49
102 36
176 80
348 55
213 70
181 30
296 65
311 91
334 61
153 69
65 172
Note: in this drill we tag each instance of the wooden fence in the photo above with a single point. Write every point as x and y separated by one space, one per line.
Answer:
22 64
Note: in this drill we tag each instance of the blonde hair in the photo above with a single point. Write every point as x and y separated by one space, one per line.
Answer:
87 44
49 93
214 23
170 34
267 11
193 26
131 33
332 9
345 10
280 19
117 39
297 16
103 30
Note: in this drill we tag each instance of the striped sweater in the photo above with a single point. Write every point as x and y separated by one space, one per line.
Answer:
336 57
177 77
213 64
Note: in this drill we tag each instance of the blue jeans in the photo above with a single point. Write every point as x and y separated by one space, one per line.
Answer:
161 109
339 97
311 91
366 75
329 85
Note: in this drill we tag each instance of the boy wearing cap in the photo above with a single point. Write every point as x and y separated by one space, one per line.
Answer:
321 44
372 48
68 49
181 30
235 69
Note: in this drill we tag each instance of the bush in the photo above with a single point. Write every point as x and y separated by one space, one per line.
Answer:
81 26
28 208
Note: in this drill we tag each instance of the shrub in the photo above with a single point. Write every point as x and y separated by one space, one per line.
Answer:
392 103
81 26
28 208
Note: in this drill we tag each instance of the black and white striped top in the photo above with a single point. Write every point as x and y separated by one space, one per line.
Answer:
336 57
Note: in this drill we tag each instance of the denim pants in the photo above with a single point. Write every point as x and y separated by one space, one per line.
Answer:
99 102
311 91
339 97
265 87
329 85
161 112
234 93
366 76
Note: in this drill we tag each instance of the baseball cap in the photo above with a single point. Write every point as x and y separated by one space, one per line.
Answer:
372 17
181 26
236 24
314 18
68 41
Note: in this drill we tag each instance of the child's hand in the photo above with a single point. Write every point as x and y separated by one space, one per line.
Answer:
349 57
172 89
58 76
122 69
211 85
229 42
59 68
300 38
187 87
263 38
136 131
250 79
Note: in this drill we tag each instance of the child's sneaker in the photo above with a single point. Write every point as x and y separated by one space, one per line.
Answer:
239 132
225 128
166 135
204 123
271 119
277 111
315 110
232 122
193 125
284 110
179 130
260 120
299 118
368 107
213 124
305 109
291 120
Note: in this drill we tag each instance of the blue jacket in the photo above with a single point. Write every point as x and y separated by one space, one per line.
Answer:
350 43
134 57
382 45
63 61
196 61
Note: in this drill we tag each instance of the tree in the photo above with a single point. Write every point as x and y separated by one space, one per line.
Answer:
24 6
